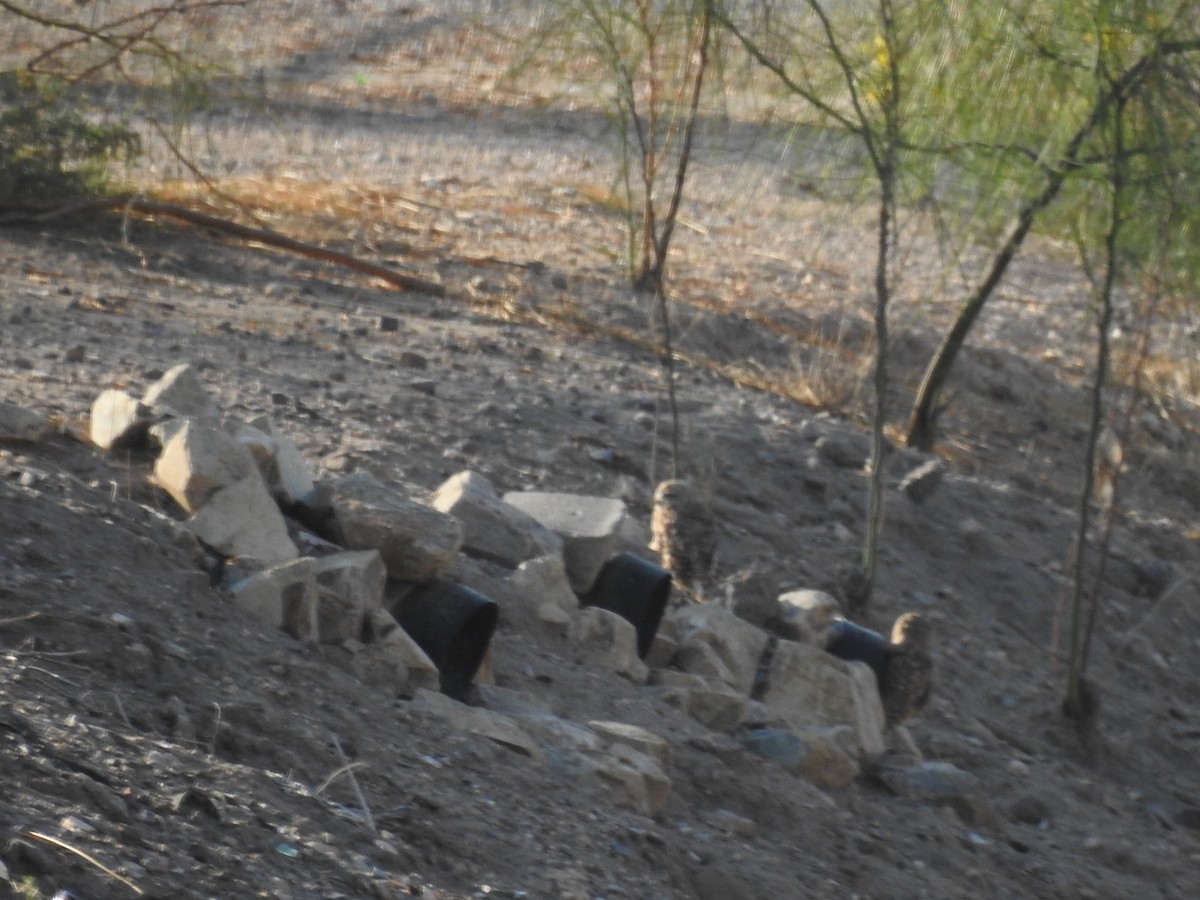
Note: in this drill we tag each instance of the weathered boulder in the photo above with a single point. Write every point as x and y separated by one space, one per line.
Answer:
805 616
640 781
718 710
283 596
18 423
941 784
641 739
543 584
710 702
920 483
371 665
257 441
285 470
817 754
416 541
738 644
615 637
630 759
118 420
181 393
511 702
590 529
162 430
662 650
197 461
674 678
350 585
808 687
492 529
569 747
388 640
242 520
829 760
844 448
502 729
701 658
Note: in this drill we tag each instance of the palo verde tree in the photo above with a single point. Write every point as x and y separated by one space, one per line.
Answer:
851 70
1036 62
1133 216
649 60
66 79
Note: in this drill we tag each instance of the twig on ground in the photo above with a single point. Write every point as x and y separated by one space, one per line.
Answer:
216 730
1127 639
13 620
131 204
349 768
55 842
121 711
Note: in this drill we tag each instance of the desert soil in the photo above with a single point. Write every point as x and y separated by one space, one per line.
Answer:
188 753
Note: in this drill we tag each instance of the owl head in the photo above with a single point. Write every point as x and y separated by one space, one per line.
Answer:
912 630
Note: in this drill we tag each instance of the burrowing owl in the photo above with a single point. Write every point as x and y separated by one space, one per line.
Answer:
907 677
683 533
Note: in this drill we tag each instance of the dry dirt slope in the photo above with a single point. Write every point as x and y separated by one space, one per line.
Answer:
148 726
188 753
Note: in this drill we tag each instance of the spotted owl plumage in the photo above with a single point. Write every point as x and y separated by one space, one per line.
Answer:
683 532
907 679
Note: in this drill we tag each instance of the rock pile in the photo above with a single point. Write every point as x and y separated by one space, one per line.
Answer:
326 561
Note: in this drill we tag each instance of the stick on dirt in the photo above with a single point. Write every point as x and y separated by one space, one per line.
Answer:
362 801
265 236
55 842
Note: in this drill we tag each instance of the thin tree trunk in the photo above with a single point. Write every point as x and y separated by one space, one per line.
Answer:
1078 702
922 420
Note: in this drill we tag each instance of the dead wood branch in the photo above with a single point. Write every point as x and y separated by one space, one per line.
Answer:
265 236
63 845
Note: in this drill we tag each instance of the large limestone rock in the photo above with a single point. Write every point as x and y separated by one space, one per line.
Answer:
283 596
502 729
808 687
942 784
641 739
389 641
542 583
718 710
590 528
118 420
257 441
371 665
492 529
350 585
181 393
20 424
738 644
242 520
828 756
284 469
613 636
639 781
701 659
844 448
631 761
197 461
920 483
806 615
569 748
818 754
416 541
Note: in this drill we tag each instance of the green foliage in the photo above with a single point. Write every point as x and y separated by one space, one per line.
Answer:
646 63
49 150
